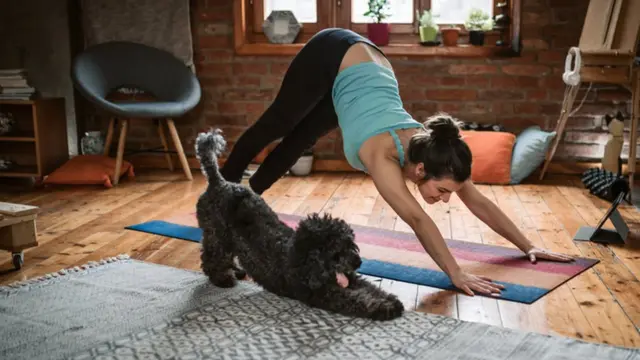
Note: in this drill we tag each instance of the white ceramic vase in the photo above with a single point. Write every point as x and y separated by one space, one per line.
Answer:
303 166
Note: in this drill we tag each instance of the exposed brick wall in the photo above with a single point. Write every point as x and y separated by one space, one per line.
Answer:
516 92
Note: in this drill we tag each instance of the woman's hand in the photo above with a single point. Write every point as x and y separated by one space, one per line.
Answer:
470 283
537 253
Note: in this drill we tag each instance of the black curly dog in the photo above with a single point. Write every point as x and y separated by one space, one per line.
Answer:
300 264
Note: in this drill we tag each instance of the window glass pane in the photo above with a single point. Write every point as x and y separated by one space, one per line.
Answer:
304 10
400 11
457 11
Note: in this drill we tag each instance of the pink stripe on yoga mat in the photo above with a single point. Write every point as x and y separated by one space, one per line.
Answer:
492 254
515 258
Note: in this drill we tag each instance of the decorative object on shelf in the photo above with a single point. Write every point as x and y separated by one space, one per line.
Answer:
478 22
450 35
431 43
427 26
611 161
92 143
16 85
502 22
7 122
6 164
482 127
304 164
378 31
281 27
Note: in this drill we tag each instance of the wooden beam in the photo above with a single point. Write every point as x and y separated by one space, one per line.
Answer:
239 24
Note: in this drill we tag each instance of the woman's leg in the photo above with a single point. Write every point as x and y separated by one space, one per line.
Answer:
316 124
307 80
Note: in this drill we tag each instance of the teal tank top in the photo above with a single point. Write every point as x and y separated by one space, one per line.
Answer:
367 101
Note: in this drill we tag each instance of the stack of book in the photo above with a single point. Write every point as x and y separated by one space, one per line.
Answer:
14 85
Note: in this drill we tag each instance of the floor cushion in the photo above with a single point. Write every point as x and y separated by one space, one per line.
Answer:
529 152
88 169
492 152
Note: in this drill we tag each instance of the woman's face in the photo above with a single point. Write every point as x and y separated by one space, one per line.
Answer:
432 190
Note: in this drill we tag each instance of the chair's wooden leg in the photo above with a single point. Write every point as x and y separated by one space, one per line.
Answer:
163 139
567 106
109 139
121 143
635 117
178 145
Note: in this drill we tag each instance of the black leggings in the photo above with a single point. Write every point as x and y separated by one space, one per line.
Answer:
301 113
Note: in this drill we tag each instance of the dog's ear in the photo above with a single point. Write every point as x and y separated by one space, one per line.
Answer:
312 272
308 268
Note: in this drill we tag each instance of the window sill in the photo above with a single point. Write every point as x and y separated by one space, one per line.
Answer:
463 51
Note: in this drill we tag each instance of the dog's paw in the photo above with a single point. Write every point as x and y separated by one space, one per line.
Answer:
240 274
388 309
226 281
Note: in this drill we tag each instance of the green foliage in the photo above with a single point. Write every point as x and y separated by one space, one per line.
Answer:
478 20
378 10
427 19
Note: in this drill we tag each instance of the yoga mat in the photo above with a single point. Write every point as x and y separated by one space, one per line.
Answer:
399 256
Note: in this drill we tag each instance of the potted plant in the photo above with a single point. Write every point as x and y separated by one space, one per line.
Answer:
304 164
378 31
450 35
478 22
427 26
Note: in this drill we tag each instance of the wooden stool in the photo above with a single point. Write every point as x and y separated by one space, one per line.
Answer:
17 230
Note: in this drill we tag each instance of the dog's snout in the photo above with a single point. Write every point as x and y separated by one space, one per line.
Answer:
356 261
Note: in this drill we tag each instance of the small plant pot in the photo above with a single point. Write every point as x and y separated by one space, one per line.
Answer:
303 166
378 33
450 36
428 33
476 37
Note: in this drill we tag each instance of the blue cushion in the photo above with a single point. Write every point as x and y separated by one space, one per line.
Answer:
529 152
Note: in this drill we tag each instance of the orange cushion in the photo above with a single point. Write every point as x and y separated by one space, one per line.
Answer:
88 169
491 152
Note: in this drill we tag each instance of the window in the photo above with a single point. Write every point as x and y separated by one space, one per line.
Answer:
401 11
404 39
455 11
306 11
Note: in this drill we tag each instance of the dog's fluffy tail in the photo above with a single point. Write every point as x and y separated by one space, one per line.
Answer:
209 146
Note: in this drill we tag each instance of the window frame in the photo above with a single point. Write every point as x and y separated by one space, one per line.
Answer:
249 39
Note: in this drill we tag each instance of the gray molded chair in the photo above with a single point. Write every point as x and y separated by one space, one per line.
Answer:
101 69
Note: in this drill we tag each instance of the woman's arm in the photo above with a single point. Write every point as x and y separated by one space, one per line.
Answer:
490 214
388 180
498 221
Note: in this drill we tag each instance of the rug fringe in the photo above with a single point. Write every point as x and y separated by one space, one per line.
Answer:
63 272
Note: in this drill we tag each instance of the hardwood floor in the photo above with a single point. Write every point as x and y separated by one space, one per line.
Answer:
83 223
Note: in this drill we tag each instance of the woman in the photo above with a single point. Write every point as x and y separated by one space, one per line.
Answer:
341 79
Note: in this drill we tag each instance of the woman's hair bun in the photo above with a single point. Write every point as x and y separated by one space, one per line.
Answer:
443 127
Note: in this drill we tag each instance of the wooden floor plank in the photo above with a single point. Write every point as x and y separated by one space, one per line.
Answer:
78 224
607 318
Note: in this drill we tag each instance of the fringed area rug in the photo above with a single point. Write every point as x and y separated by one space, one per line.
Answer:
128 309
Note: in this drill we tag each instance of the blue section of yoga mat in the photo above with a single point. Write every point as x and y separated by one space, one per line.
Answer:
438 279
168 229
391 271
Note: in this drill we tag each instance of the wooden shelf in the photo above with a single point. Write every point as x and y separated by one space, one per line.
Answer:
19 137
20 171
38 143
17 102
460 51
